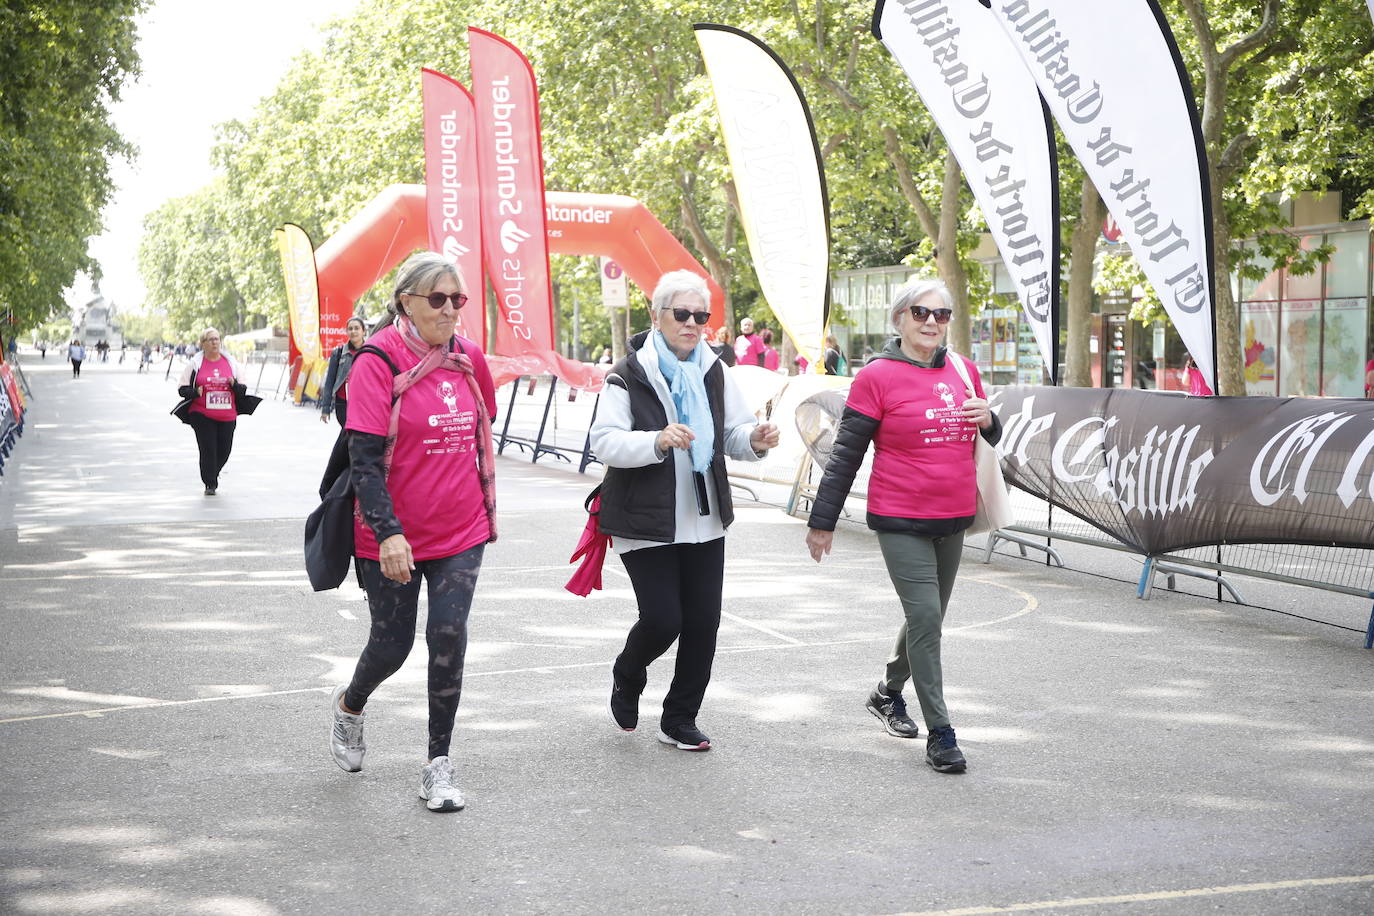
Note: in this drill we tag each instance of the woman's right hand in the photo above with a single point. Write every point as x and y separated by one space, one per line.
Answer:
395 558
674 435
818 542
324 417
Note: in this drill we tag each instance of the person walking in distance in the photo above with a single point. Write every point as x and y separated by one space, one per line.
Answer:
668 417
911 403
421 402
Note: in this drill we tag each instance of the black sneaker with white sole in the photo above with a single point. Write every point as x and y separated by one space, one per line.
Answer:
686 737
623 708
890 709
942 751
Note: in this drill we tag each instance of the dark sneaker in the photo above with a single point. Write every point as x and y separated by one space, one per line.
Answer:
686 737
891 709
210 491
942 751
623 707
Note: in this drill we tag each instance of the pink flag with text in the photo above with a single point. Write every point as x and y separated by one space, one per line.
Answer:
510 164
452 204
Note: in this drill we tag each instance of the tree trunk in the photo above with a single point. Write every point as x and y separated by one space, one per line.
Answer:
716 263
947 261
1082 248
1230 361
617 317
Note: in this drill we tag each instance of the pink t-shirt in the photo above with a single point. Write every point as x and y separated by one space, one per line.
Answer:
217 402
433 482
923 448
770 359
748 350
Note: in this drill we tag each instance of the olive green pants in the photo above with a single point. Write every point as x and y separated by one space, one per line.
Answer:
922 570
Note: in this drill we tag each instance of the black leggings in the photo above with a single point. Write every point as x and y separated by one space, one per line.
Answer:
341 411
76 368
394 608
215 439
678 589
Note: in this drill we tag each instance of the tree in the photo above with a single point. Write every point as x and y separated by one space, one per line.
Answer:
1281 89
62 65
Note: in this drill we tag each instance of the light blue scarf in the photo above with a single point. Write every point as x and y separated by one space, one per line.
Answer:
687 385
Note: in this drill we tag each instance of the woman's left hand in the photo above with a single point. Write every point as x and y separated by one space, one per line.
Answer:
764 437
977 411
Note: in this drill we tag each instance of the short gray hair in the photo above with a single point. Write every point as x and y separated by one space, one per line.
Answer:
913 291
420 274
679 281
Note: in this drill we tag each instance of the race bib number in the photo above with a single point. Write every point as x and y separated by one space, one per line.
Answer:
219 400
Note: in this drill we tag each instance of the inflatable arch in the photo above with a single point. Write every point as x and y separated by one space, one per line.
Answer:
393 225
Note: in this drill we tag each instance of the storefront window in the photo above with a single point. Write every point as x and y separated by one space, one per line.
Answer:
1343 348
1260 334
1301 350
1347 273
1265 290
1304 286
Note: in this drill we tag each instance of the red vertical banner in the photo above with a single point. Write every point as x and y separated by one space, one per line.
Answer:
452 201
510 163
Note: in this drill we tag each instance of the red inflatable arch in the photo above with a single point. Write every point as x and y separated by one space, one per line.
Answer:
393 225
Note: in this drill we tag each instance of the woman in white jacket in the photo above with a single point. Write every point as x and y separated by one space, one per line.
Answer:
669 415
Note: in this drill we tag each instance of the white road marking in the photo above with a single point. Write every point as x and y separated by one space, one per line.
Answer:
788 643
1141 898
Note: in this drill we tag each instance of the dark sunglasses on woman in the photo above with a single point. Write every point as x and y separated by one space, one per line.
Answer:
437 300
684 315
921 313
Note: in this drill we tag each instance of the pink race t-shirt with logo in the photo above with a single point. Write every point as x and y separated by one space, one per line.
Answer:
435 491
923 448
217 399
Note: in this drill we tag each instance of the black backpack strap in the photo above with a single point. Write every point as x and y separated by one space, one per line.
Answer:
377 351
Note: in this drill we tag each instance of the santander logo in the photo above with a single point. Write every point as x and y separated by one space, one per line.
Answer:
512 236
453 249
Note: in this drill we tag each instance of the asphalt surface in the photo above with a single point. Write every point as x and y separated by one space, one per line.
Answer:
165 666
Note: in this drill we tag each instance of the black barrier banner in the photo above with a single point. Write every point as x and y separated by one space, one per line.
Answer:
1162 472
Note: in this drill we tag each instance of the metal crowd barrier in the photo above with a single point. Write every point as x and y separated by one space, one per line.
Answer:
535 419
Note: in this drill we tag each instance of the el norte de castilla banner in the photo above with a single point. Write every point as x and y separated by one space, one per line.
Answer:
1115 83
988 108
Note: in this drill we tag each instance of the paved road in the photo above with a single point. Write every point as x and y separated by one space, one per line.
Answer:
165 664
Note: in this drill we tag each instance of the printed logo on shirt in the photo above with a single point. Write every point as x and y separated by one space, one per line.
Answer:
456 428
947 423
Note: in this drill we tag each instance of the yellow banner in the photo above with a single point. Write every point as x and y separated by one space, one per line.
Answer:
302 292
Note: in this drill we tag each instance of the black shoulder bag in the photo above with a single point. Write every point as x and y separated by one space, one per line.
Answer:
329 529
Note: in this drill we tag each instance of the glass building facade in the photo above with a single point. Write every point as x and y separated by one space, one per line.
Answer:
1301 335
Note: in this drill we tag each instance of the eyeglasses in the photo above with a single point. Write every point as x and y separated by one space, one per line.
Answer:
921 313
437 300
685 315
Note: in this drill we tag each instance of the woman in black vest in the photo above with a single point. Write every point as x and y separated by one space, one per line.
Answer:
668 417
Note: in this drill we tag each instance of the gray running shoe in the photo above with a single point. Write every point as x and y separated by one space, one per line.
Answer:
890 709
437 788
346 735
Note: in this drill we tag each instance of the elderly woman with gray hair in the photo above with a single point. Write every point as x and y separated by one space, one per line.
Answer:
913 405
668 418
421 401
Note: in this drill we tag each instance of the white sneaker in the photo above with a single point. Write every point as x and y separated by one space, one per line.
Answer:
346 736
437 788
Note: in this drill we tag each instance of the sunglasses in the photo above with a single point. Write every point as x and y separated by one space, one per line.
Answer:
921 313
437 300
685 315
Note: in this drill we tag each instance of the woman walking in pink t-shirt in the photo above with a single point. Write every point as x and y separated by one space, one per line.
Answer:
213 397
421 401
911 402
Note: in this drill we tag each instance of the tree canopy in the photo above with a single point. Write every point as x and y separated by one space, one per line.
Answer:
1283 86
62 64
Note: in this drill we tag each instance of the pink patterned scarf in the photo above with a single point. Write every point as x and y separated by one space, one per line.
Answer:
431 358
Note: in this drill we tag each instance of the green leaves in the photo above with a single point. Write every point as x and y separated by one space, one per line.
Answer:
61 66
